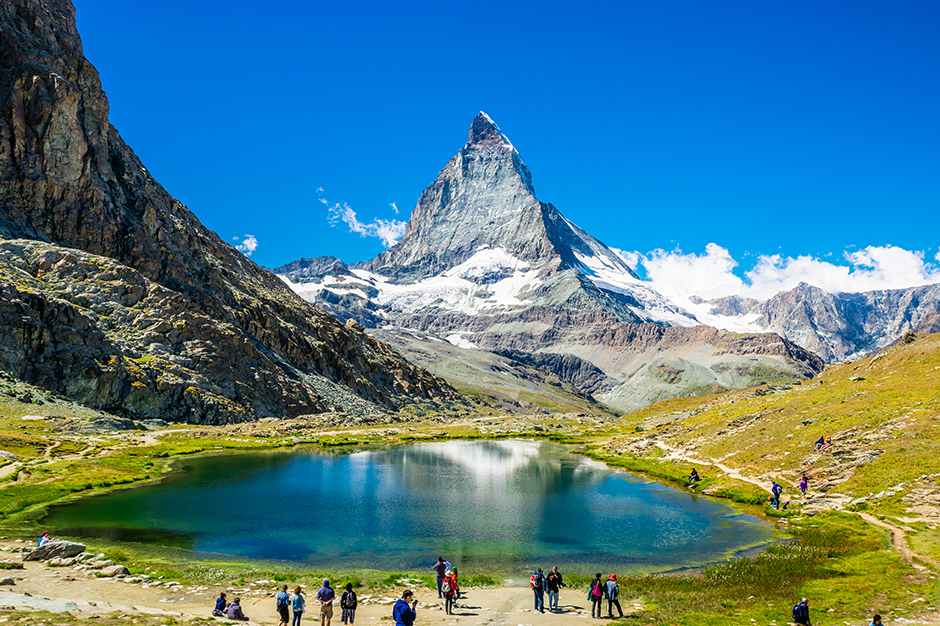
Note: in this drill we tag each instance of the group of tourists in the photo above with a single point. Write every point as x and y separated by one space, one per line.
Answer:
551 584
448 587
294 603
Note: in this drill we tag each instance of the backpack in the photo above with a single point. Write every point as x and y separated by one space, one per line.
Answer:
596 589
349 599
445 585
776 489
281 601
537 581
800 613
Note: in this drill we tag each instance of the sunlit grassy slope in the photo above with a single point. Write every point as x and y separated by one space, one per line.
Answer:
882 412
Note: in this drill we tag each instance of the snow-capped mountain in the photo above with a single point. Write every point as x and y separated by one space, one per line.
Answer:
487 265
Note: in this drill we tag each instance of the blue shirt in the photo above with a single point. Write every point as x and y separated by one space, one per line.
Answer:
297 603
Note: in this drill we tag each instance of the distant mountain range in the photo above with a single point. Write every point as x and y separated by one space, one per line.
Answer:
113 294
486 265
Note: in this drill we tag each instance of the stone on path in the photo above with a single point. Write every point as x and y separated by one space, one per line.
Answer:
115 570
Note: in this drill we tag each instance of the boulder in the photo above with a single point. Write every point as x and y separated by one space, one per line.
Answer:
6 581
55 549
115 570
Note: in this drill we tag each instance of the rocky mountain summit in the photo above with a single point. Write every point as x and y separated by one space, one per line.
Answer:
114 294
486 265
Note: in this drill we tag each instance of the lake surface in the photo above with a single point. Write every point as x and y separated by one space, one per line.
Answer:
499 506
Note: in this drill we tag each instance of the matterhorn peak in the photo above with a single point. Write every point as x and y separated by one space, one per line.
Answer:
485 132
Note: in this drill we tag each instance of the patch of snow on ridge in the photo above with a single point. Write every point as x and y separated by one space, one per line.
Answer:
490 280
458 340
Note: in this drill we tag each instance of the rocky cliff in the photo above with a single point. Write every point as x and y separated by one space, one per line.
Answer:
115 294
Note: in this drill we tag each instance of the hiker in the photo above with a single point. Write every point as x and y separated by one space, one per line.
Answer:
44 539
693 478
325 596
819 443
348 603
826 445
876 621
403 613
297 604
235 611
612 591
801 613
537 582
282 604
439 568
551 586
595 595
447 586
776 490
803 484
220 606
454 583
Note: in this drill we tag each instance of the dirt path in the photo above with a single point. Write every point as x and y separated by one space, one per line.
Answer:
501 606
898 536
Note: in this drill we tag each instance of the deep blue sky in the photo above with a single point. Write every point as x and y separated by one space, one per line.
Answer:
791 128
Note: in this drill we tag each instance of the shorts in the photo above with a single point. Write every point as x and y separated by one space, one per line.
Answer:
326 611
349 616
284 612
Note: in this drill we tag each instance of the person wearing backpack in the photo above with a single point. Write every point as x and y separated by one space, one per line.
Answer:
297 606
348 603
776 490
447 587
282 604
801 613
537 582
596 595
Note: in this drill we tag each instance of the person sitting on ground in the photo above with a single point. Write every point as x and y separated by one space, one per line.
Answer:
404 613
826 445
44 539
876 621
693 478
235 611
220 606
819 443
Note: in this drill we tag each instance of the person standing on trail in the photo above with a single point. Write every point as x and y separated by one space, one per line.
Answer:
297 606
348 603
803 484
537 582
447 586
404 613
612 591
801 613
595 595
551 586
776 490
282 604
325 596
440 568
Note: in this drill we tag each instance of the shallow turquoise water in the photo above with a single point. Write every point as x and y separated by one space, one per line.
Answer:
501 506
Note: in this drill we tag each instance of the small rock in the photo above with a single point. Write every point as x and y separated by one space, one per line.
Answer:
115 570
7 581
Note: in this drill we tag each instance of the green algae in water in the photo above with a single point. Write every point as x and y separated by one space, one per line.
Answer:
496 506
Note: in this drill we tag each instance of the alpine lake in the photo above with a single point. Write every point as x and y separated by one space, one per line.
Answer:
501 507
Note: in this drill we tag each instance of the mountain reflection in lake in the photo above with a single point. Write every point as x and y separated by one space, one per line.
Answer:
494 505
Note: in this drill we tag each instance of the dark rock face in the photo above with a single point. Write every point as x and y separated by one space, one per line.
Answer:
846 325
107 281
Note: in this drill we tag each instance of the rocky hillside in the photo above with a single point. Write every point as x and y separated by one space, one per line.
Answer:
113 293
487 266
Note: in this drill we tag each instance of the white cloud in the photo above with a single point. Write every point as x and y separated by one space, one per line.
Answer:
248 245
711 275
630 258
389 231
394 207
